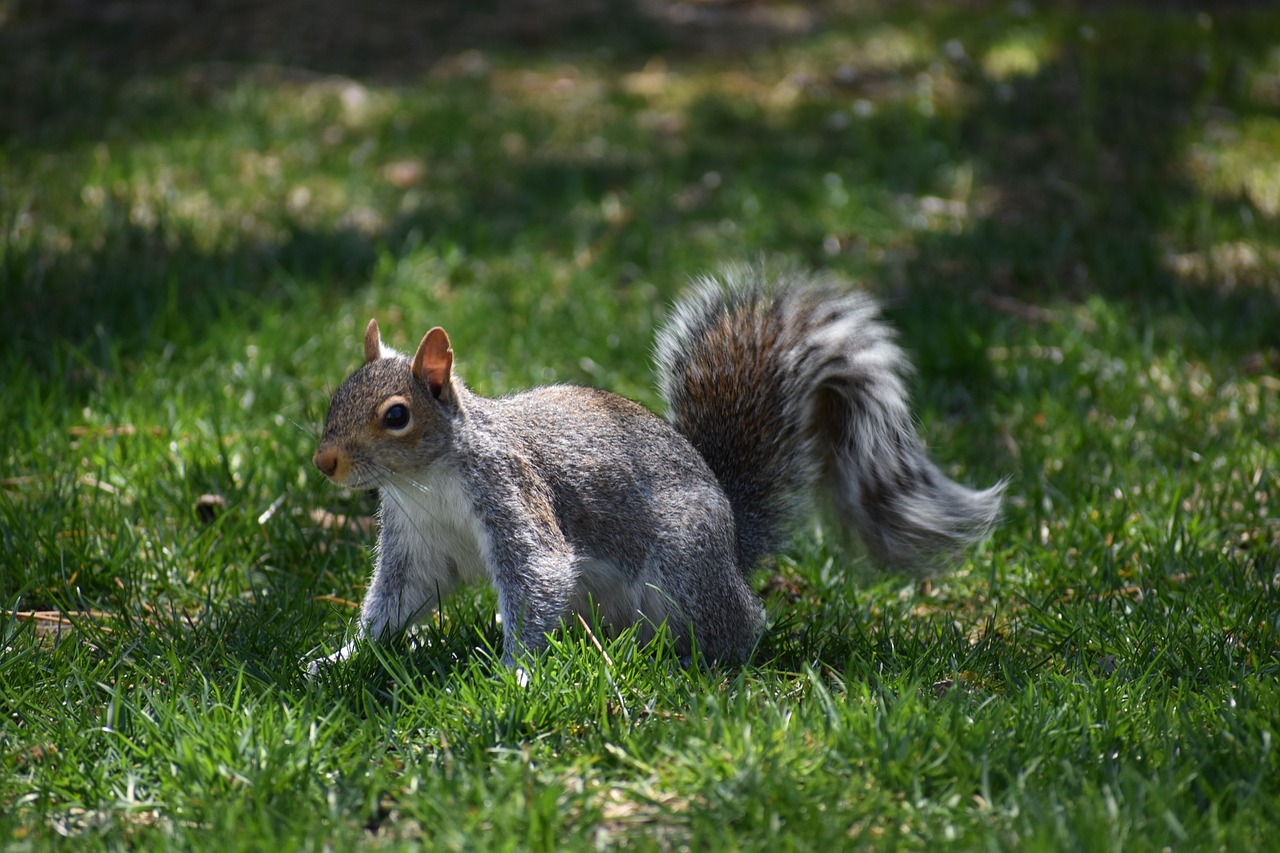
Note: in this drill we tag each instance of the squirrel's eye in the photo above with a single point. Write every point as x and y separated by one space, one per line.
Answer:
396 417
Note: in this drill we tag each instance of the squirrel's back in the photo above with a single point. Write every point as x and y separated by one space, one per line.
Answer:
791 387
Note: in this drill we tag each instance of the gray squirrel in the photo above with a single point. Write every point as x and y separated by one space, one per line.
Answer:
781 388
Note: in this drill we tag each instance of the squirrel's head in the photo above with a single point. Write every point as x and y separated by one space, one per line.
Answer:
393 416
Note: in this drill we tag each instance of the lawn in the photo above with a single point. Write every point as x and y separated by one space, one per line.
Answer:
1071 212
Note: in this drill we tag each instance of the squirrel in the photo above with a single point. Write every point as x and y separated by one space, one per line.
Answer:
781 388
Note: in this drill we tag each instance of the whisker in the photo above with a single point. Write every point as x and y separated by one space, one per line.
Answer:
309 430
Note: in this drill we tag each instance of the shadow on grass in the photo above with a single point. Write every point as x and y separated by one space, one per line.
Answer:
67 59
1082 184
1090 188
141 289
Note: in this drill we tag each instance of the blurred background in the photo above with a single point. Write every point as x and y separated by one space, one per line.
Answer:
1007 152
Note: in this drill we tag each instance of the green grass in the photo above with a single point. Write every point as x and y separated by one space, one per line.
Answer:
1072 216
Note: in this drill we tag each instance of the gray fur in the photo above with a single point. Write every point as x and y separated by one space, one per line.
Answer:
568 499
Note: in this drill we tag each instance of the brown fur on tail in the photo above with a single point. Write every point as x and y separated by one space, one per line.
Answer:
790 387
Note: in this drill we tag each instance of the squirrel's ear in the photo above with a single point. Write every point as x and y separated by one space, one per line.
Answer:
372 342
433 363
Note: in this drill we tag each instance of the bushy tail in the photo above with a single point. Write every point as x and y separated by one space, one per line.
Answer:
790 387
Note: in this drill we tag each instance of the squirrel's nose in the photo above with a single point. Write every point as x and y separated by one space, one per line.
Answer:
326 459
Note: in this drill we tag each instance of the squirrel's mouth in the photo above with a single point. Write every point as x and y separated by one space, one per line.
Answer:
339 467
333 463
343 470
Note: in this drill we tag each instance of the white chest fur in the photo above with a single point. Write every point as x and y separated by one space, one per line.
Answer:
434 519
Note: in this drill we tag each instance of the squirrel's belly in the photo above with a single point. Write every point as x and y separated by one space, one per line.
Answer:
618 599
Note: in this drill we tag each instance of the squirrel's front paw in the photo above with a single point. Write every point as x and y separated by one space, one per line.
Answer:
316 665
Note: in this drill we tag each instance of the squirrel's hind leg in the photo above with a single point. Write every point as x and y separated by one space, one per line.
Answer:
709 602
